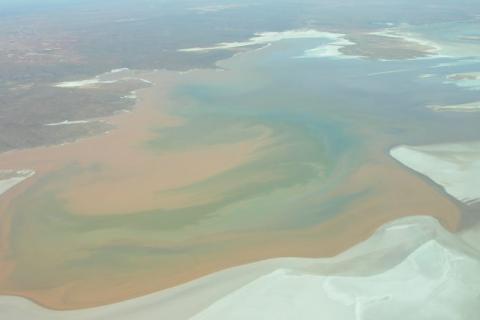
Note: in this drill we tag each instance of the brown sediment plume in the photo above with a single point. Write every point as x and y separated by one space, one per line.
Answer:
132 177
133 180
325 240
145 176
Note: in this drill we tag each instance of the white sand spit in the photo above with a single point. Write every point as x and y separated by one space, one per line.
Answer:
113 76
88 83
264 38
455 167
68 122
409 269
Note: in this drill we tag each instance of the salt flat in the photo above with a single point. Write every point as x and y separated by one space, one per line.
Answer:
455 166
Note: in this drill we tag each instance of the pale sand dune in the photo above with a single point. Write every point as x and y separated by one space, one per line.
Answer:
9 179
264 38
456 167
409 269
